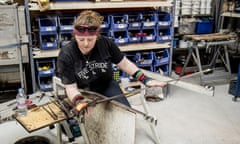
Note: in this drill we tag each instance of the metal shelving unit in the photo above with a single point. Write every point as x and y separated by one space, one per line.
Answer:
33 7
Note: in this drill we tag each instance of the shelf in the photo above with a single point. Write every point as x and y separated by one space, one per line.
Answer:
105 5
230 14
130 47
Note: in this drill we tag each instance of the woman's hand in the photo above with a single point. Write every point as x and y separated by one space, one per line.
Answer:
155 83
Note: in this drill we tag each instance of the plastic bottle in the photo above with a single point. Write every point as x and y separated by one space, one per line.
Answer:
21 103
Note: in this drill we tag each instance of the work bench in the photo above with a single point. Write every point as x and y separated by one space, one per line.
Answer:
215 43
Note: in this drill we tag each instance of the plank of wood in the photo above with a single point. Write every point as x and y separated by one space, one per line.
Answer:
40 118
209 37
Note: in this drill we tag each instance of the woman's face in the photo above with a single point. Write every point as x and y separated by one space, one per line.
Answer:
86 43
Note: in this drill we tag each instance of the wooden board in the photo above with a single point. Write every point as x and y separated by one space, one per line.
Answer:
40 118
209 37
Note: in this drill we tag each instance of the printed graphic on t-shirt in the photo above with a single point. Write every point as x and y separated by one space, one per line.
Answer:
92 70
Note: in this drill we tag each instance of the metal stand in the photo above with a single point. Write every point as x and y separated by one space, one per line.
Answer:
219 44
56 84
152 126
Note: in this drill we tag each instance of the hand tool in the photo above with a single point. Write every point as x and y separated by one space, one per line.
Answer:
53 116
52 111
182 84
94 102
190 75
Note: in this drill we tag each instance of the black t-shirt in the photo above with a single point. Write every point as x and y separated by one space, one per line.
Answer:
88 71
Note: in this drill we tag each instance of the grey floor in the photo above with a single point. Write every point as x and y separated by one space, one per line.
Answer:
184 117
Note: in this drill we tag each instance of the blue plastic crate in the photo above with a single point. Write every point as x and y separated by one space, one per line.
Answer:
149 20
106 21
66 23
134 36
164 19
204 27
119 21
145 59
46 67
49 41
161 57
45 83
47 25
148 35
162 68
119 37
164 35
135 21
64 38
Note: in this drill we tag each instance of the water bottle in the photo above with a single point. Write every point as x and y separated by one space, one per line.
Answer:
21 103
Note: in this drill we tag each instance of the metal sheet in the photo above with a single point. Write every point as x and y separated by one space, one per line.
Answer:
111 123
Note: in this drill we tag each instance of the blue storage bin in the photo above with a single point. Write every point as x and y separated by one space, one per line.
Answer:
163 68
164 19
149 20
119 21
119 37
47 25
106 22
204 27
135 21
133 56
66 23
45 83
148 35
45 68
49 41
134 36
164 35
64 38
145 59
161 57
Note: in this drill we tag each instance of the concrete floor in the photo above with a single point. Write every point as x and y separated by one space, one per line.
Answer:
184 117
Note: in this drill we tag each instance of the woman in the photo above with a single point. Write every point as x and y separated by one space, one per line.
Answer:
86 62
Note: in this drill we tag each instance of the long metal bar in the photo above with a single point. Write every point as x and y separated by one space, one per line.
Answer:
181 84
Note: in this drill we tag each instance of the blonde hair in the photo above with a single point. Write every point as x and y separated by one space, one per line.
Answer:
89 18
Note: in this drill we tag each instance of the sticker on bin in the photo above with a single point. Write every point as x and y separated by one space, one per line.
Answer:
135 24
49 44
165 37
49 29
163 23
47 71
68 28
149 24
121 25
134 38
121 41
149 37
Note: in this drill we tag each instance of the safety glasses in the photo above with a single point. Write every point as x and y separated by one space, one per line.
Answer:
90 29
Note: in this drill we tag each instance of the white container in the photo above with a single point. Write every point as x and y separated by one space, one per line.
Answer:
183 44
